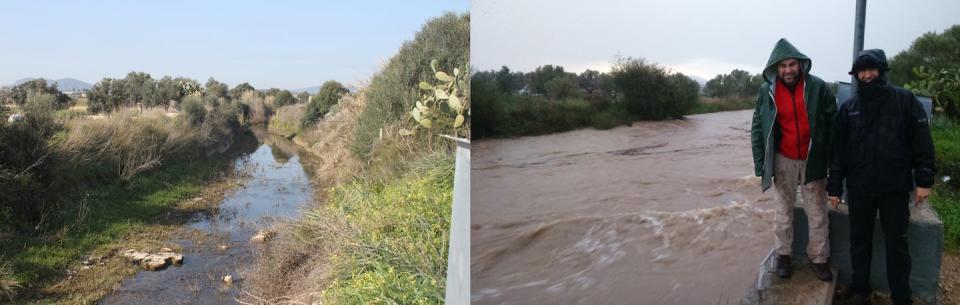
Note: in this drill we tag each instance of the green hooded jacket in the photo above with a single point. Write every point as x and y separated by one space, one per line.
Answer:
821 112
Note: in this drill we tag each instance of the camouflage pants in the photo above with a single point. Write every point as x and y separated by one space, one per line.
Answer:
788 175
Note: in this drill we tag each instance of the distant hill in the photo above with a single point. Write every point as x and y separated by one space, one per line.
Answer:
311 90
700 80
64 84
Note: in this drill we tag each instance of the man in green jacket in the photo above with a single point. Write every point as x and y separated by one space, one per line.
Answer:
791 138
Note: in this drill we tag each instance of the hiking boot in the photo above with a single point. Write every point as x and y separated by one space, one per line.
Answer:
822 271
784 268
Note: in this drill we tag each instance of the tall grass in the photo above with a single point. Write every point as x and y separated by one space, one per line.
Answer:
947 204
332 137
130 143
8 283
126 143
395 236
946 140
260 112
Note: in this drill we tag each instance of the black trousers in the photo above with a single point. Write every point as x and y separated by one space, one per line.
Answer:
894 209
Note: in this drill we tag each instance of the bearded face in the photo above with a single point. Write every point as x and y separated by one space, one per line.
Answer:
788 70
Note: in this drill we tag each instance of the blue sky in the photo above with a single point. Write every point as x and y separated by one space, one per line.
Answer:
284 44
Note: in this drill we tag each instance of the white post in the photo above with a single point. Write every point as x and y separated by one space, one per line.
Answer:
458 255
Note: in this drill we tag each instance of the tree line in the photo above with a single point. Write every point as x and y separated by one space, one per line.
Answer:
550 99
140 89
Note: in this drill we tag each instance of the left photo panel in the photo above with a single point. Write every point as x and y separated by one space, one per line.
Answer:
234 152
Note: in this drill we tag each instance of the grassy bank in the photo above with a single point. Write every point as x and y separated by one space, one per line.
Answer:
718 104
946 194
513 115
395 235
79 186
378 234
134 214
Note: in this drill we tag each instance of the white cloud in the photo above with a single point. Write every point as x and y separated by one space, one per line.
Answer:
709 68
600 66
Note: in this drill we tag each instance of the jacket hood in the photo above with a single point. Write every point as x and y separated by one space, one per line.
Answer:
873 58
783 50
867 59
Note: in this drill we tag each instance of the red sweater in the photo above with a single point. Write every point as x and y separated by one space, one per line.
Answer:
792 121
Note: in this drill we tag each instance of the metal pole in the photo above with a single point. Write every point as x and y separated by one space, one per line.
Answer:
858 38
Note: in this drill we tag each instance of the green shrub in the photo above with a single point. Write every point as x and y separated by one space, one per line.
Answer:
563 87
609 117
220 124
393 91
328 96
736 83
932 50
650 93
23 175
946 194
946 141
26 160
193 110
684 92
42 108
283 98
20 93
485 108
538 115
942 85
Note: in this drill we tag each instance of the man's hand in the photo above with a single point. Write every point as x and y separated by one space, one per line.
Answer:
921 194
834 201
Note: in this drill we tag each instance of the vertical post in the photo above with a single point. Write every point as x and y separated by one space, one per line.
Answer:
458 255
858 25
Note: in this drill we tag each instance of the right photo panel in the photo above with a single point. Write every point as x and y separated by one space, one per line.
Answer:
715 152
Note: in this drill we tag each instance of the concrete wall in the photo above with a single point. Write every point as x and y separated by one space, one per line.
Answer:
925 237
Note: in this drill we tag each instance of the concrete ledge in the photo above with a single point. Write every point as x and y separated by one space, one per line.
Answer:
924 235
803 288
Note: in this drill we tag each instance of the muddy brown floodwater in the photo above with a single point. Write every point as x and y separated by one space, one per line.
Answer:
655 213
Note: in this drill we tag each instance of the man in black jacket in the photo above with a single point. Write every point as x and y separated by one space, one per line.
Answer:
884 150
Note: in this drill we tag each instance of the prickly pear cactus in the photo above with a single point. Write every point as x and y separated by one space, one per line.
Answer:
444 106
